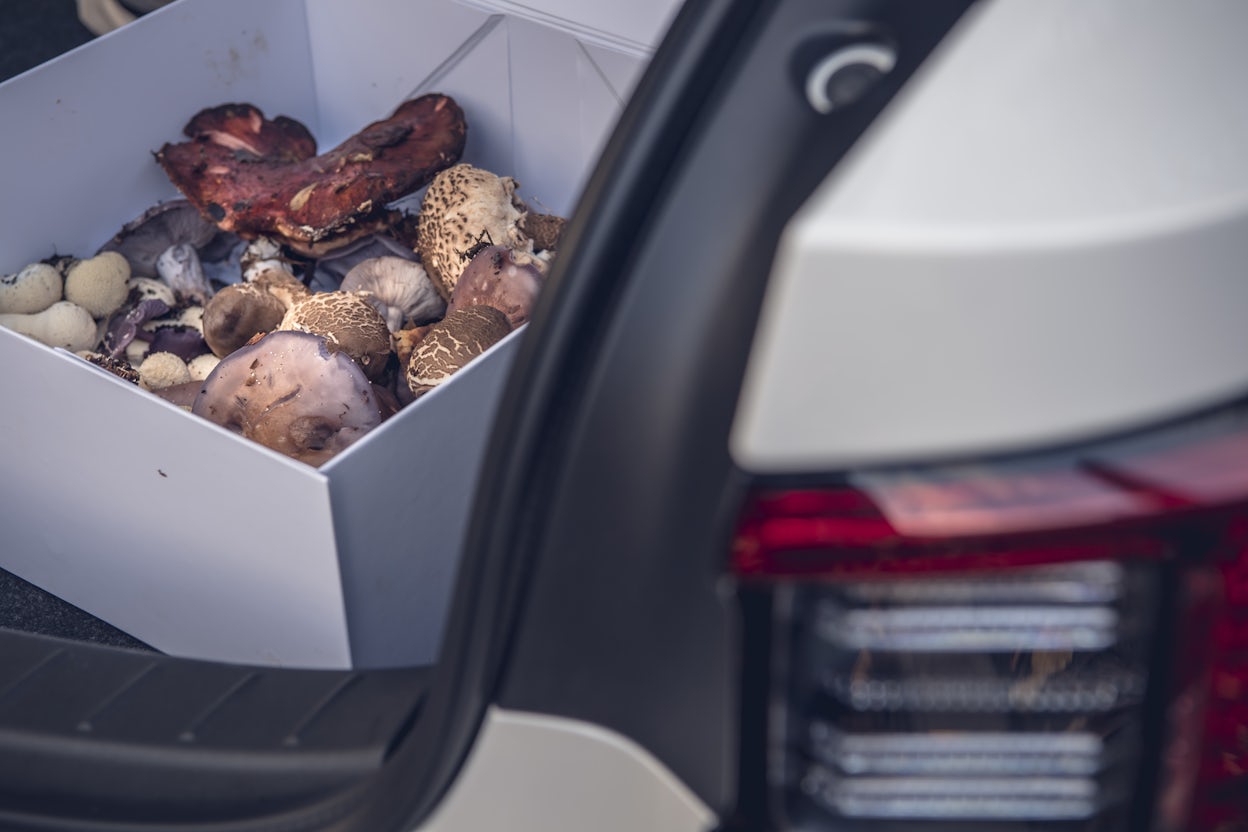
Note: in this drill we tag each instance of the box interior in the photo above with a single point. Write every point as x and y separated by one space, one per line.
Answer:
183 534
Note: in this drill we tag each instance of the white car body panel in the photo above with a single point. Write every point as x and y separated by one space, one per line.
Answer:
536 773
1044 239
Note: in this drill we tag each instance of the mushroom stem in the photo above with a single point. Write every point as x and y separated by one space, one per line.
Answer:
179 266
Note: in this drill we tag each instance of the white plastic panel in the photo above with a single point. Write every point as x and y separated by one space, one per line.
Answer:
1042 240
536 773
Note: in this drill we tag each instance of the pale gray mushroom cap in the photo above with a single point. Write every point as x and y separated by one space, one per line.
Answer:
171 223
401 290
452 343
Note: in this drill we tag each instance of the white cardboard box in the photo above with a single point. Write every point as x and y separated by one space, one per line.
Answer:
179 532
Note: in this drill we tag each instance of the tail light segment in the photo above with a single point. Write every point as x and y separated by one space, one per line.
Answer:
1056 641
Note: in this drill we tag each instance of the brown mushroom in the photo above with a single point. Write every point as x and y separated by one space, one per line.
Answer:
348 323
238 312
236 180
452 343
290 392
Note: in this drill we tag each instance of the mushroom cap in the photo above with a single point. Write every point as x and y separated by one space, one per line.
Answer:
238 312
162 369
399 289
290 392
495 278
463 208
63 324
142 240
99 284
33 289
453 342
202 365
348 323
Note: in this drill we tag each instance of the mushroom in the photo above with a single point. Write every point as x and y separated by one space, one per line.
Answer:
544 229
260 255
63 324
144 288
238 312
179 266
309 202
331 269
466 208
398 288
497 278
291 393
33 289
143 240
123 329
348 323
201 365
453 342
162 369
99 284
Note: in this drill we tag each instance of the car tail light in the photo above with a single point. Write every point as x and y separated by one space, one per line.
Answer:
1057 641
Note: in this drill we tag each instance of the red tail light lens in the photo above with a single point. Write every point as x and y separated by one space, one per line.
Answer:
993 645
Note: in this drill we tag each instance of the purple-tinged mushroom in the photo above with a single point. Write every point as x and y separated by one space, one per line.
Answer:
502 278
143 240
124 328
290 393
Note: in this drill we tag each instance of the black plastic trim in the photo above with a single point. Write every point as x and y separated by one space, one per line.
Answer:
95 737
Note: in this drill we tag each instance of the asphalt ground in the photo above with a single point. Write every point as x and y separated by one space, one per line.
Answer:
31 32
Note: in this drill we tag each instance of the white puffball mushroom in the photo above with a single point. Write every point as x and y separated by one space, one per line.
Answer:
99 284
31 290
63 324
163 369
201 366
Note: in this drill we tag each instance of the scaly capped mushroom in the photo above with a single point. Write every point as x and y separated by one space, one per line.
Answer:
398 288
290 392
453 342
466 208
348 323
